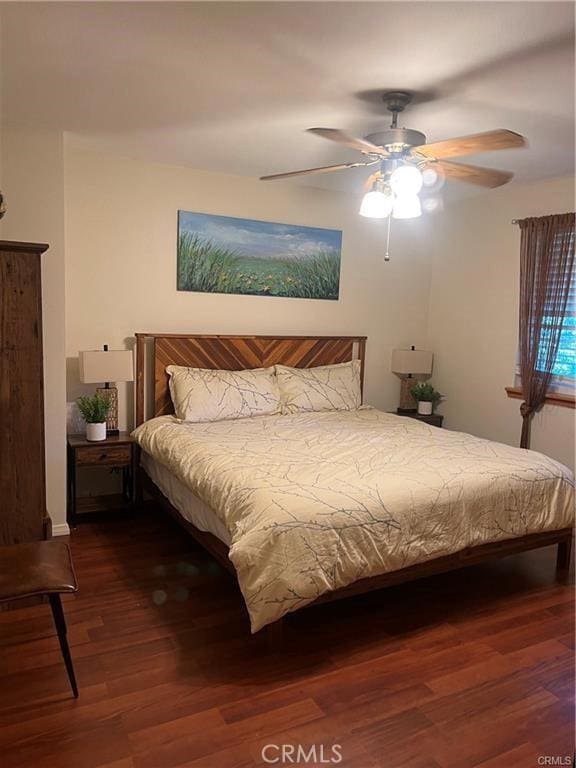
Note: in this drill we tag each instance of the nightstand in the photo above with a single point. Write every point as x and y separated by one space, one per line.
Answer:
117 451
435 419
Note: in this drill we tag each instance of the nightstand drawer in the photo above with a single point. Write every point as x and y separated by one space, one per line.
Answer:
104 455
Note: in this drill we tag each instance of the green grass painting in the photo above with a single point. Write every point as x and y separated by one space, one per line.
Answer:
221 254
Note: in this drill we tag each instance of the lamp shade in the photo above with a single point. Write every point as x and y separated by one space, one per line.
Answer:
99 366
412 361
407 207
376 205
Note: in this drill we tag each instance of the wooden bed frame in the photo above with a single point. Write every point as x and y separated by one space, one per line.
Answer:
154 352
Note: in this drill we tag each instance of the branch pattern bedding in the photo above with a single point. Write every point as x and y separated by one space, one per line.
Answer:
313 502
212 395
326 388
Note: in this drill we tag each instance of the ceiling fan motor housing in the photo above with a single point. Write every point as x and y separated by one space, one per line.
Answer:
399 139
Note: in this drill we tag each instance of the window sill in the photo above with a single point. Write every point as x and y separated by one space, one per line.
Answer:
564 401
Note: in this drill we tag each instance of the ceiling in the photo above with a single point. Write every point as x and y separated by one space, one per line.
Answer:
232 86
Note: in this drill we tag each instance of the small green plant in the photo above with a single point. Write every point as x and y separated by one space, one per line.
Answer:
425 392
94 409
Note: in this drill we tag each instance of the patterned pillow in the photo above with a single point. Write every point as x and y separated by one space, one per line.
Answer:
205 395
326 388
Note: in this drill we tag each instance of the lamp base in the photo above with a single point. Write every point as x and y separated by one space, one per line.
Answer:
111 394
407 402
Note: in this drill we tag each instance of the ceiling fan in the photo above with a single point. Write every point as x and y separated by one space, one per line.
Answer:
403 147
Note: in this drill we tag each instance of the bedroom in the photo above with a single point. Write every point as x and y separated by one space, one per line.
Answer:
115 117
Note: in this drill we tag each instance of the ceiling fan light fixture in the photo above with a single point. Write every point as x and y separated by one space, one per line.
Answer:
430 177
376 205
406 180
406 207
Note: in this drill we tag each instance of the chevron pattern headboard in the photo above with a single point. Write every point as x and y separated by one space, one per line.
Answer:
232 353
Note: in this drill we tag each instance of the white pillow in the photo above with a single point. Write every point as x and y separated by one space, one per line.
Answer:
202 395
325 388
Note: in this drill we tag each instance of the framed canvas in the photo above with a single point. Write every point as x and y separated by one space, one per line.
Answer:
222 254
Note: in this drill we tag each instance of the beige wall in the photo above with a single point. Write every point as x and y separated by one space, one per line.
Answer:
473 317
121 265
33 185
111 223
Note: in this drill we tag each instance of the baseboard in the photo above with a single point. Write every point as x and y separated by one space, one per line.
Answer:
61 529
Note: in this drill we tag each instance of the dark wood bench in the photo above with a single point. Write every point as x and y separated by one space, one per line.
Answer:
36 569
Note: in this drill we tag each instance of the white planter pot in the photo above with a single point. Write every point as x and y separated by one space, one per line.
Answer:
424 408
95 432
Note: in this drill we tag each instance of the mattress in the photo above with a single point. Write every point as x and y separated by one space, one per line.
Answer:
192 509
313 502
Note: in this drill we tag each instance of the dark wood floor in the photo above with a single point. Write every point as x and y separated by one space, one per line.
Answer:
469 669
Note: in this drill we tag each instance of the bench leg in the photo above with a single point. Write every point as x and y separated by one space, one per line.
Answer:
563 556
60 622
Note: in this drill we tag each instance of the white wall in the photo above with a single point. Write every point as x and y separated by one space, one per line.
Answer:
121 229
33 185
473 317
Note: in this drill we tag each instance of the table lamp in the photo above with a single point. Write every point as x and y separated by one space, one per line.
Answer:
409 363
105 366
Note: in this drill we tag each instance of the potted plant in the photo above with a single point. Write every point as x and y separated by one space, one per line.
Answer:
94 409
426 397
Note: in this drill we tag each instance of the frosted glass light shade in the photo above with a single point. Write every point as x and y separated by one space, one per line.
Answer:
412 362
407 207
376 205
406 180
100 366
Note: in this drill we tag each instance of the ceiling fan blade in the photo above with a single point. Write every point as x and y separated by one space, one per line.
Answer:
472 174
352 142
471 145
322 169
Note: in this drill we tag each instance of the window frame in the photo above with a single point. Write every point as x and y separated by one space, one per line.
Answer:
552 398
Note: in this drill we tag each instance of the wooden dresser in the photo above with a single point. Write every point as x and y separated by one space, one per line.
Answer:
23 515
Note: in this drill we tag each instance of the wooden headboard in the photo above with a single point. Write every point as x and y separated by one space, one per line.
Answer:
232 353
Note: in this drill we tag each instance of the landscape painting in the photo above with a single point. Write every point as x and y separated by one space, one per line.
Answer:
221 254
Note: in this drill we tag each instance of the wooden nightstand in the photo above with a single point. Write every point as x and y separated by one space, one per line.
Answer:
435 419
117 451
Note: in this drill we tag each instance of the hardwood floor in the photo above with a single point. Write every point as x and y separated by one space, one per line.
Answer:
472 669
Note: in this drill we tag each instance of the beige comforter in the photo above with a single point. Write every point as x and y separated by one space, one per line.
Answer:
316 501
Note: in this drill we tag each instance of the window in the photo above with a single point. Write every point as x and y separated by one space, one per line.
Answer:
565 366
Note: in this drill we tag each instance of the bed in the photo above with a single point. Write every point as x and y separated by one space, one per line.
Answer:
311 507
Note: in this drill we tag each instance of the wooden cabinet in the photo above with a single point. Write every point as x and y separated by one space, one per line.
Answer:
23 514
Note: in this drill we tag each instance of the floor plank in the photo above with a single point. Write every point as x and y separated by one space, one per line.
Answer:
448 672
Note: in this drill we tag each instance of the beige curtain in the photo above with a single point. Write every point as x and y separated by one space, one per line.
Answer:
546 270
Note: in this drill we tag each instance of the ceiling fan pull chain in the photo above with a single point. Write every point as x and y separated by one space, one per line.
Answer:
387 254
